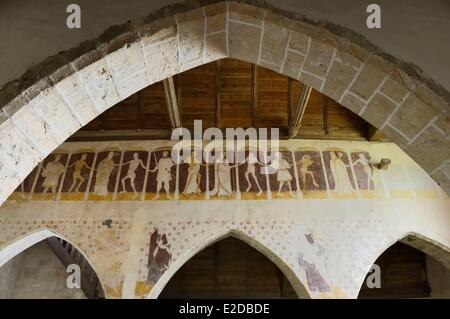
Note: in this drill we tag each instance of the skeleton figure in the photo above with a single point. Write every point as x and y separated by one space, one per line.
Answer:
131 173
164 176
52 173
305 163
251 161
76 175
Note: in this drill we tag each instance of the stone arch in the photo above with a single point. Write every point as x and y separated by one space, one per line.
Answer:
290 274
57 97
22 243
430 247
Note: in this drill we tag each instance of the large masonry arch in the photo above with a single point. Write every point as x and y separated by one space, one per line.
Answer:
20 244
289 272
58 101
430 247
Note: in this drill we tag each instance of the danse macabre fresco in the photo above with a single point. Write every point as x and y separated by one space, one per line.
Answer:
138 174
364 172
281 178
339 173
77 175
162 176
50 176
132 176
104 177
252 182
311 175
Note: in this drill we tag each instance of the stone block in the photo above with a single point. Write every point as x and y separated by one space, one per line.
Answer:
245 13
412 116
132 84
378 110
311 80
244 42
430 149
275 40
100 85
36 129
293 64
367 81
442 177
216 18
353 103
443 124
216 47
79 101
9 179
430 97
341 74
319 58
20 153
394 135
126 61
56 113
394 90
157 31
299 42
162 59
191 32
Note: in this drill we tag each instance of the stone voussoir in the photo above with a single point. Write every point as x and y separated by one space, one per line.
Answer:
412 116
191 33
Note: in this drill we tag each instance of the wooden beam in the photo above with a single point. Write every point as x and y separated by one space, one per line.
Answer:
218 94
171 101
254 93
289 106
299 110
326 124
119 135
374 134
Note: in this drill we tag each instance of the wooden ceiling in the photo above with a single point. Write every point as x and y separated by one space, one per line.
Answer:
226 93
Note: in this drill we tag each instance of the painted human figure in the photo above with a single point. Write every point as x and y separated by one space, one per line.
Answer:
164 176
315 280
305 163
342 184
251 161
283 174
367 168
76 175
159 256
222 181
104 171
52 173
193 178
131 173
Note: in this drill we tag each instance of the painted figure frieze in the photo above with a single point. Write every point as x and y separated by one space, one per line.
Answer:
144 173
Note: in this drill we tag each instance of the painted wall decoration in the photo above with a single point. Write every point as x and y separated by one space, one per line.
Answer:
145 171
159 257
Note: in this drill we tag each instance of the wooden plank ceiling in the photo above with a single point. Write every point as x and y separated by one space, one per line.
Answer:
227 93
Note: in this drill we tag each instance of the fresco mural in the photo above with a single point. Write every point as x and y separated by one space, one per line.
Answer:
140 173
159 257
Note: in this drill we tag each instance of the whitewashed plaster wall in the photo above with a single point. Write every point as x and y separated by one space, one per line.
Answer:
347 234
